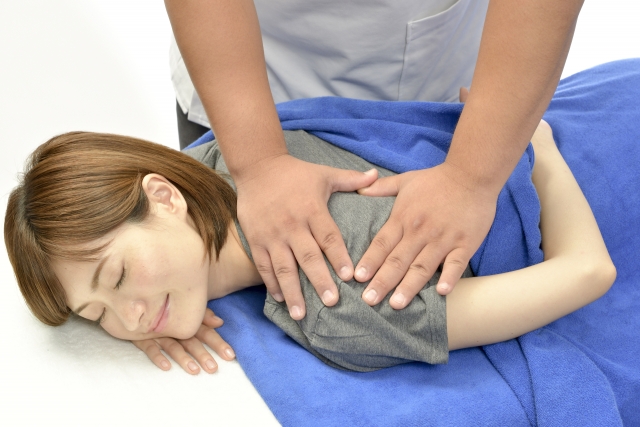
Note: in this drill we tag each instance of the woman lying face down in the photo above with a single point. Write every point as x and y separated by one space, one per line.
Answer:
138 237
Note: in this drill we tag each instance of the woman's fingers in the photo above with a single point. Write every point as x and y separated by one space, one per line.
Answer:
152 349
196 349
213 339
177 352
187 352
211 320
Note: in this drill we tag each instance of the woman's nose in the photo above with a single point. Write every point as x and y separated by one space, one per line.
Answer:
131 314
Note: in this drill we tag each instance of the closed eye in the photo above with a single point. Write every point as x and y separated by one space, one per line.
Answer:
104 311
122 277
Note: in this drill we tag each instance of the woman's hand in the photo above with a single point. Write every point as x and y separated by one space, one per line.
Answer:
185 351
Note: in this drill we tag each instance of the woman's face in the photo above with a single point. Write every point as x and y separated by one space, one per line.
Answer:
150 281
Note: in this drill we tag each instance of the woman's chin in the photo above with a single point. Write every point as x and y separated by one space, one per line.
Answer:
185 335
187 331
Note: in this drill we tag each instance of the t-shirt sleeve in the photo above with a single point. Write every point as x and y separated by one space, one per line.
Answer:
352 335
208 154
359 337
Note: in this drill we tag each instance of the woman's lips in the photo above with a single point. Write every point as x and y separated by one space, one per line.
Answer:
161 318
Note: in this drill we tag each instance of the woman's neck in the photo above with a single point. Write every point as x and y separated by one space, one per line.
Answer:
233 270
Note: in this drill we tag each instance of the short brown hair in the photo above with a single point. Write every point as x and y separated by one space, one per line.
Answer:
78 187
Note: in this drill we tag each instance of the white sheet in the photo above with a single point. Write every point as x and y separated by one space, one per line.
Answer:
102 65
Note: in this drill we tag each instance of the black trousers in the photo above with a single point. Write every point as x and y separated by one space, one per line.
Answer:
188 131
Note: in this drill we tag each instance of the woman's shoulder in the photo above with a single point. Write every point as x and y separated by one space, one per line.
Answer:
208 154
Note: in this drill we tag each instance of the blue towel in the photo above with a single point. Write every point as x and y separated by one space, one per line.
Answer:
581 370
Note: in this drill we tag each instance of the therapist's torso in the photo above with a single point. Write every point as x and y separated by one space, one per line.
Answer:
365 49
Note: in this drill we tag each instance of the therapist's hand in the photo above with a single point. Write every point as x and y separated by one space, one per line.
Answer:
438 215
282 208
185 351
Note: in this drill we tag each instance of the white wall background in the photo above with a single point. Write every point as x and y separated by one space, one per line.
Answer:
102 65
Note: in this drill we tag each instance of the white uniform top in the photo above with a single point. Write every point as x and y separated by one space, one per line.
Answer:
367 49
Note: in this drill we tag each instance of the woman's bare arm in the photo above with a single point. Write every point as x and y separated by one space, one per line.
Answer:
576 270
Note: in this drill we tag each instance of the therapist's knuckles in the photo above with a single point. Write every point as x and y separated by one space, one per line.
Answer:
310 258
265 267
418 275
285 273
396 265
332 241
375 256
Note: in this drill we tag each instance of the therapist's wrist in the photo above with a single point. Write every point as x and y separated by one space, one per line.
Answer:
482 185
249 138
488 142
252 170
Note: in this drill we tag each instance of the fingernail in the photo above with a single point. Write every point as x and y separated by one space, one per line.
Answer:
210 364
327 297
370 172
371 295
229 353
165 364
295 312
345 272
216 318
361 273
444 287
192 366
399 299
278 297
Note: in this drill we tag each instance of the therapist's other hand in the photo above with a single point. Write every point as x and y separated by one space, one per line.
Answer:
438 215
185 351
282 208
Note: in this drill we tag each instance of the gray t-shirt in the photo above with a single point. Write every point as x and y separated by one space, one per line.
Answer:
352 335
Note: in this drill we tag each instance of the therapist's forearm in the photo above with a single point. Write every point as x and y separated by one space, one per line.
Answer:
522 53
221 45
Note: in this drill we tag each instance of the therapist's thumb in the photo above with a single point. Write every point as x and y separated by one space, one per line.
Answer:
350 180
387 186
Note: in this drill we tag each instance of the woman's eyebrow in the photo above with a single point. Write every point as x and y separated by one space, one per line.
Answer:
94 283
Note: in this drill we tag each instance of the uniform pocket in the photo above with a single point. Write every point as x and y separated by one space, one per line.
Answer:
441 52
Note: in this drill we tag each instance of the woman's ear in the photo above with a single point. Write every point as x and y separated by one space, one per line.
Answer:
163 195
